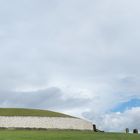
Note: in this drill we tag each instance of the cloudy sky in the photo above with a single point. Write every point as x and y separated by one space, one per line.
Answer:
79 57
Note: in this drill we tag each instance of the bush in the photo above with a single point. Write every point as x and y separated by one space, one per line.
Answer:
135 131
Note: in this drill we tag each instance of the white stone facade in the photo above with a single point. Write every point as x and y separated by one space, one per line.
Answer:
45 122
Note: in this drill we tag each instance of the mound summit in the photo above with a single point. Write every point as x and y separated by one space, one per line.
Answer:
30 112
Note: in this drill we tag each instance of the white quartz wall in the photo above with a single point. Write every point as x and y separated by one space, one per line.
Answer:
45 122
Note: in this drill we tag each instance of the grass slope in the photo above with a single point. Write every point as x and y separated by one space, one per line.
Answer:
63 135
29 112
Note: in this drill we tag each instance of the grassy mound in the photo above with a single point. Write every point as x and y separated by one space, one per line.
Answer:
29 112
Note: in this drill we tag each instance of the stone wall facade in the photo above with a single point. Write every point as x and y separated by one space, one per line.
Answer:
45 123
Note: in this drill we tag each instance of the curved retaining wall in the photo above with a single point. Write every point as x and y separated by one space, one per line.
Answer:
45 123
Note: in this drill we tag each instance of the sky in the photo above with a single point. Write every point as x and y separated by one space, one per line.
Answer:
79 57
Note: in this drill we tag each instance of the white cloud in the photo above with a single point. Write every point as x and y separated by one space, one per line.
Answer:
118 121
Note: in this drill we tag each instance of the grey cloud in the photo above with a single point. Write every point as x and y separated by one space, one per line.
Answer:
51 98
91 45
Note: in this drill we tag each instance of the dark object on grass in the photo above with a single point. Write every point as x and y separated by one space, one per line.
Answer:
135 131
127 130
95 129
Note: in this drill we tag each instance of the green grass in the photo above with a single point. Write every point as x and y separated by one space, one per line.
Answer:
29 112
63 135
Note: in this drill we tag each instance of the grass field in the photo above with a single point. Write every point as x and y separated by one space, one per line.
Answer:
29 112
63 135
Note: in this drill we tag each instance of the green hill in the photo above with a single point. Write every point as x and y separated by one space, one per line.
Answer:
30 112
